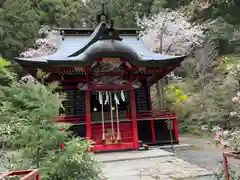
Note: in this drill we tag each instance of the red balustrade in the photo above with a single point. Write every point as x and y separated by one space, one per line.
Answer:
71 119
227 155
143 115
156 114
25 174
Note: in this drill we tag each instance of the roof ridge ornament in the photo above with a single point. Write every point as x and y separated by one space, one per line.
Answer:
102 17
110 33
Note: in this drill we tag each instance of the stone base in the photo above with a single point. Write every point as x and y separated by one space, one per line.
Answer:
132 155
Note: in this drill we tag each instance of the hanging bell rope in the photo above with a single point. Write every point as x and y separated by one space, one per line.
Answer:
103 127
122 96
107 98
111 112
118 128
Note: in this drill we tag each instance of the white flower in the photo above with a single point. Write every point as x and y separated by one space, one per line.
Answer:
225 132
204 128
233 113
235 99
238 94
216 128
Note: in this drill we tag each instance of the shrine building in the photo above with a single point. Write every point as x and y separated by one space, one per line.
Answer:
107 73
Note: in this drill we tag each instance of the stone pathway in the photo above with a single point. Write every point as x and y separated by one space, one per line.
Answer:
158 168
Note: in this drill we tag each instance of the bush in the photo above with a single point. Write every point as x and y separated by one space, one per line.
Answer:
28 111
207 99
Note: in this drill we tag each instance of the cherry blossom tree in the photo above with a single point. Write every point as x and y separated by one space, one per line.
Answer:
169 32
226 138
236 101
232 137
48 44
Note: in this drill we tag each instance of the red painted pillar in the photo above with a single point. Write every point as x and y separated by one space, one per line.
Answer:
134 118
88 114
153 131
175 126
152 121
62 145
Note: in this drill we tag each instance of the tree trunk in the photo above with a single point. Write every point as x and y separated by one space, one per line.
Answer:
159 88
160 83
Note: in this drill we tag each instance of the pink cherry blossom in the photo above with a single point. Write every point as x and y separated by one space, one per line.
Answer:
44 46
171 33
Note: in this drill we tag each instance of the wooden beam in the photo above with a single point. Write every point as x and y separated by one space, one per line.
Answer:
76 80
110 73
128 66
162 73
110 87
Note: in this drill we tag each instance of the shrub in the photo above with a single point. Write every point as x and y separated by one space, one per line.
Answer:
28 111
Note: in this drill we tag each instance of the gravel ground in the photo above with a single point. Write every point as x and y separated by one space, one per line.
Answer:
207 160
204 154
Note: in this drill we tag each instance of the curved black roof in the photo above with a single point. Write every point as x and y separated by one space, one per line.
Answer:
105 41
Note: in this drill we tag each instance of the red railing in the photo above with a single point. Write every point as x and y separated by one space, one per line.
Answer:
143 115
26 174
225 162
156 114
71 119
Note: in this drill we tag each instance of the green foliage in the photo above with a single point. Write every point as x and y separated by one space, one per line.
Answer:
64 13
221 29
6 76
28 112
160 5
209 101
205 10
73 163
18 26
124 17
235 141
4 63
227 10
205 100
175 95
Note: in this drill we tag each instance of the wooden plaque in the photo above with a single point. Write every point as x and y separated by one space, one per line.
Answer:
78 68
142 68
170 124
111 60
